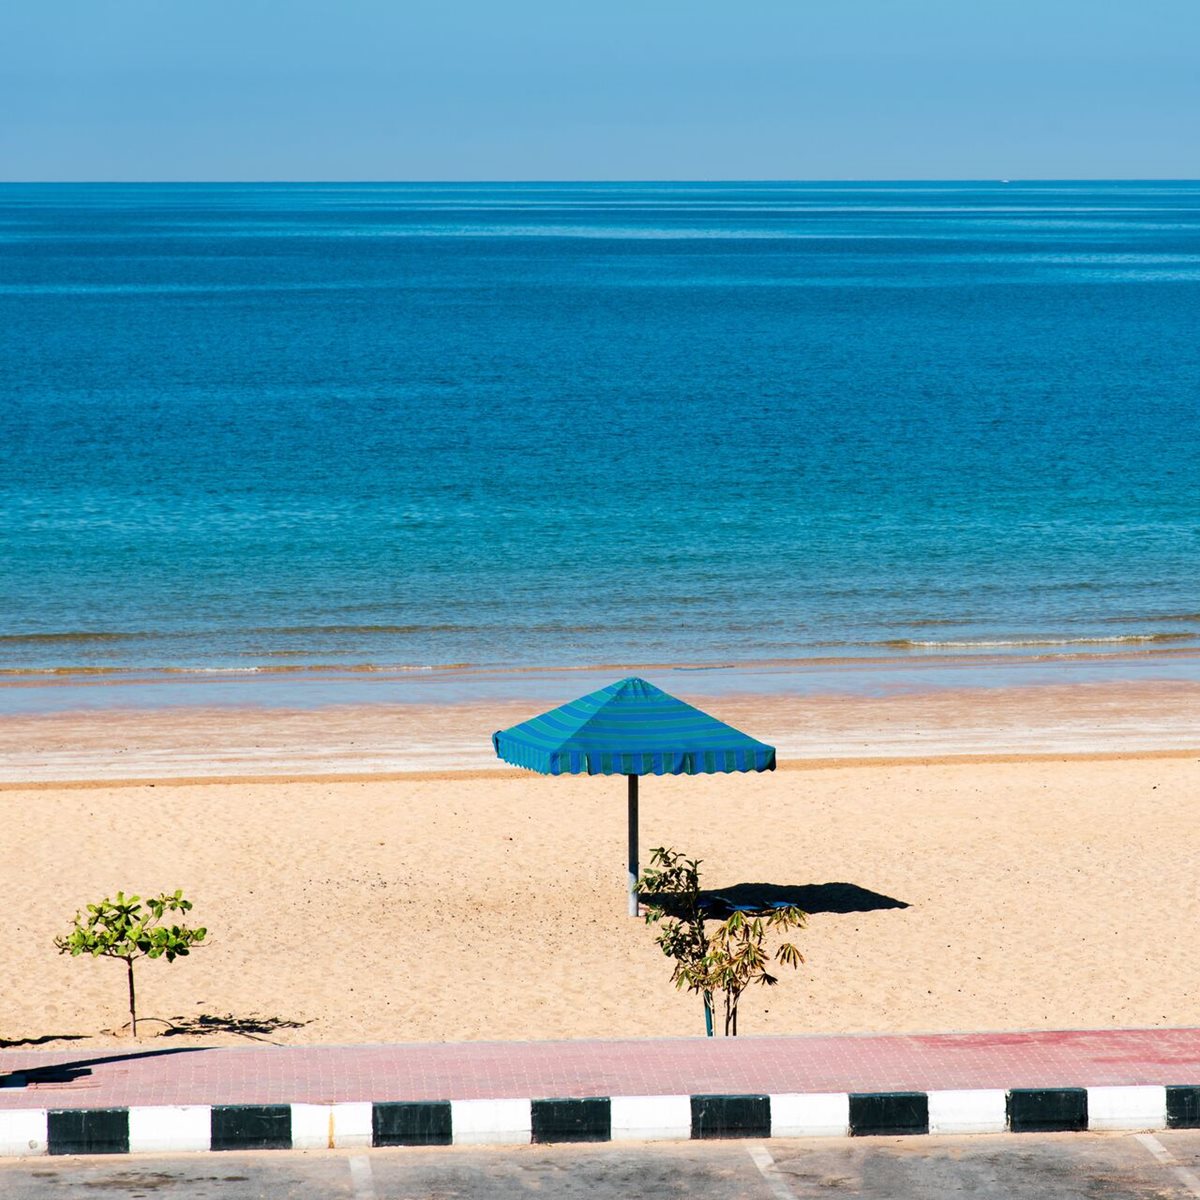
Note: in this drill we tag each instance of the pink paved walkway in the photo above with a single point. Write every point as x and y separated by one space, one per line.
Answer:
317 1074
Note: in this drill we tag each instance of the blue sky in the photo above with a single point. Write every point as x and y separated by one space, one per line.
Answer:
610 89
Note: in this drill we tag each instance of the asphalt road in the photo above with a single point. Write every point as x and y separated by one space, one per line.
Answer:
997 1167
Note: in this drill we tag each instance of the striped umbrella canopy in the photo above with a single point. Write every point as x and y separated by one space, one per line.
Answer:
630 728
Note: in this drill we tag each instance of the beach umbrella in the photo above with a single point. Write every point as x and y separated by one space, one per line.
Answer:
630 728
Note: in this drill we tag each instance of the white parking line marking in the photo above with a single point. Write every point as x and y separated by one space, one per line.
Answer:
761 1157
1189 1179
360 1175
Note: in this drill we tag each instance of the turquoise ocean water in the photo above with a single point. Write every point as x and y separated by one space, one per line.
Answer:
396 427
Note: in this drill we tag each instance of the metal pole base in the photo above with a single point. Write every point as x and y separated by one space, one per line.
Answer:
633 845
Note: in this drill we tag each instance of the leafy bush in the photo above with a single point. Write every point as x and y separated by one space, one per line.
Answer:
727 960
671 887
127 929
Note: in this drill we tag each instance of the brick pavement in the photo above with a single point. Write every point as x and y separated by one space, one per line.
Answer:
261 1074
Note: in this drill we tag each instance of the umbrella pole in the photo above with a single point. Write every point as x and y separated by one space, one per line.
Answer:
633 845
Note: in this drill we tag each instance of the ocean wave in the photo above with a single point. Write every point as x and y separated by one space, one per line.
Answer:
298 630
1017 643
34 672
311 669
72 635
1157 619
270 669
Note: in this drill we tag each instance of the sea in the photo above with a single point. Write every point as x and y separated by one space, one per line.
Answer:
288 436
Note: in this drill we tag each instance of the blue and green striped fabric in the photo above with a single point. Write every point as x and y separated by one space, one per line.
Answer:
630 728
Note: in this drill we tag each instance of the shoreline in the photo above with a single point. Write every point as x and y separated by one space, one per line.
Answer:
889 651
38 691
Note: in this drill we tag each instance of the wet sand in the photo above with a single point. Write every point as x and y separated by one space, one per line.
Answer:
361 739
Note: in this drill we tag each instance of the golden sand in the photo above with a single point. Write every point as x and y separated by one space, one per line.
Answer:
1041 892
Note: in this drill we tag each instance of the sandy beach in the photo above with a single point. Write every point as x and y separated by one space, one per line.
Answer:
987 893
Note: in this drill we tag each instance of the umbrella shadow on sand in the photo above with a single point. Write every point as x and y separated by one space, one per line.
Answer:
719 903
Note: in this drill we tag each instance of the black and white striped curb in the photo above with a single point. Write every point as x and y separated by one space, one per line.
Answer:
174 1128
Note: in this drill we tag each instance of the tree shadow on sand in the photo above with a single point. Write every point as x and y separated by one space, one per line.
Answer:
719 903
255 1027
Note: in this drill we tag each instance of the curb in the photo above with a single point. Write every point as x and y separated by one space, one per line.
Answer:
198 1127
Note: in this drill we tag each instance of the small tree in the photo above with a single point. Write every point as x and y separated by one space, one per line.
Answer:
124 928
729 959
737 957
672 886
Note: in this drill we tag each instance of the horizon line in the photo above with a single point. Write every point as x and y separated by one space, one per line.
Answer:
600 181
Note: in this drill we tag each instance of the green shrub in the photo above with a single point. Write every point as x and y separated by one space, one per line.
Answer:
127 929
726 960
